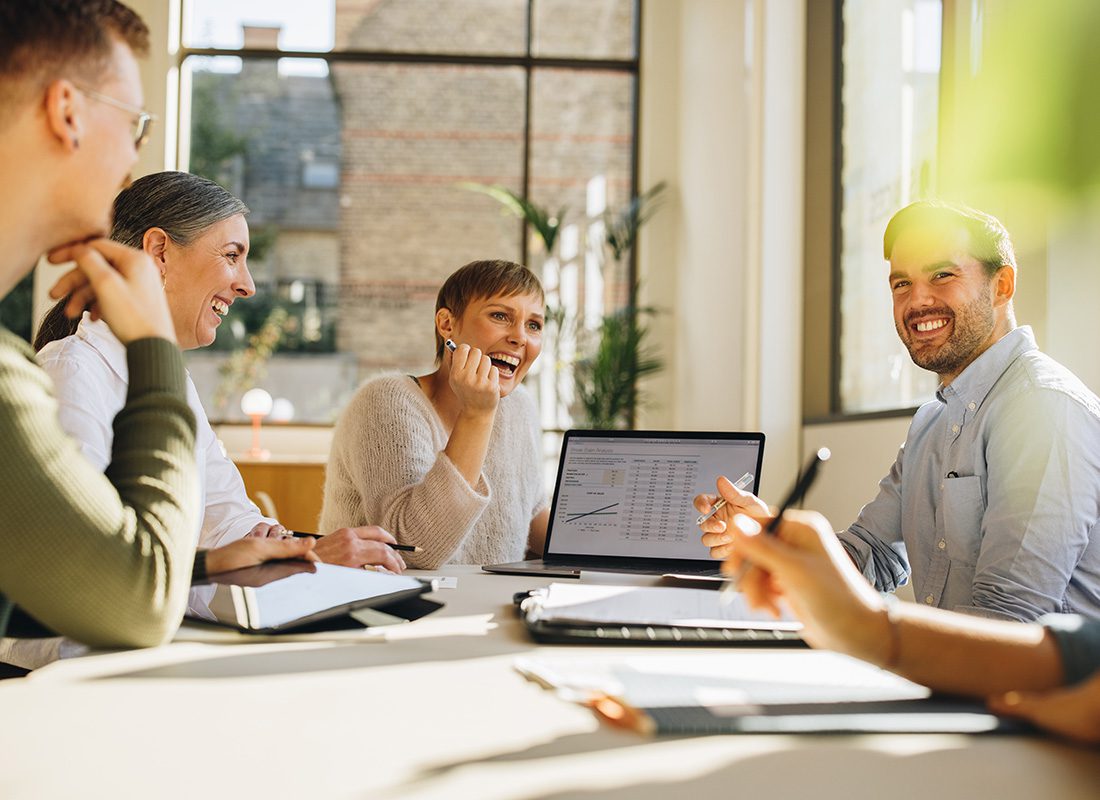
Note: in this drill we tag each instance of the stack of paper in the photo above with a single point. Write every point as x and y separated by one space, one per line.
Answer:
656 606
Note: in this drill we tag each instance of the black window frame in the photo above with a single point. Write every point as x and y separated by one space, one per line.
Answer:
528 61
833 411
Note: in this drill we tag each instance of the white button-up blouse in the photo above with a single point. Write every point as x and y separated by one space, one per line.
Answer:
90 378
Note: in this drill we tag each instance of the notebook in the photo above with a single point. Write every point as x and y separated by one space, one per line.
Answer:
577 613
623 501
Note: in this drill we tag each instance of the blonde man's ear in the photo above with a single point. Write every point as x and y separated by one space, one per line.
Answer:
64 113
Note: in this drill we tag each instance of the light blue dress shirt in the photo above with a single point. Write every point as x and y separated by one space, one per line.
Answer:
993 503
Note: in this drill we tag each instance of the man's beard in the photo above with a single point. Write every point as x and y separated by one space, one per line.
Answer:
972 325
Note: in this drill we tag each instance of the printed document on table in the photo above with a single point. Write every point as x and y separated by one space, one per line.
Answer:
723 682
654 605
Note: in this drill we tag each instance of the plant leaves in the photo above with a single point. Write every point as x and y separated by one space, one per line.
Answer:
546 224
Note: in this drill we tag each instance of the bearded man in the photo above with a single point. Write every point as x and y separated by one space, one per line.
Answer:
993 504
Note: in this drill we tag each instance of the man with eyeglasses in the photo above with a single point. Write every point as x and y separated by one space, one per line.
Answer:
143 120
102 558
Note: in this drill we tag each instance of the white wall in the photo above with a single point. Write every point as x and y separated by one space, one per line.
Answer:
694 135
722 122
862 454
774 395
1073 294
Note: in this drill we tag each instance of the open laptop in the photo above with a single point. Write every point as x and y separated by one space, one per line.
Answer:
623 501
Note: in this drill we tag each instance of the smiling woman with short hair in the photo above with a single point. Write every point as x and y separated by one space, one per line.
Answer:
449 461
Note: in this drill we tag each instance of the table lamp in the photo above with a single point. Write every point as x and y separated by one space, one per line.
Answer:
256 403
282 410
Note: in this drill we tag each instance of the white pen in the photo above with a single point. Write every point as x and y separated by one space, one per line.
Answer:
744 482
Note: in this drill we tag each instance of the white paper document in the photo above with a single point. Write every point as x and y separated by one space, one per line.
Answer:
725 683
654 605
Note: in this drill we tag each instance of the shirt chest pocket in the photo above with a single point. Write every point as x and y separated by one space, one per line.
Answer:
963 509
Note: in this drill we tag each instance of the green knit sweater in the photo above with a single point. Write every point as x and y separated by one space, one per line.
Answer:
104 558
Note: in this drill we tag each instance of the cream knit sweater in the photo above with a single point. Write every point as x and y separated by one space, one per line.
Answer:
387 467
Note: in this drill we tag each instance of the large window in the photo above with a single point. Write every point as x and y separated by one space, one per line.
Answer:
890 62
358 152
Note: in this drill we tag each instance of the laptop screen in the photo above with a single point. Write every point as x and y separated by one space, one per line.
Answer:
630 493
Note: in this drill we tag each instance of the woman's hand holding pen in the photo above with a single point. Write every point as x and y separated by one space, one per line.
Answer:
367 545
475 381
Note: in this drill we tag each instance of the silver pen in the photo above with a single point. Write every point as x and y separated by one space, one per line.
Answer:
744 482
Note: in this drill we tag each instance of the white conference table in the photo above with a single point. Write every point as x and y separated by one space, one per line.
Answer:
437 710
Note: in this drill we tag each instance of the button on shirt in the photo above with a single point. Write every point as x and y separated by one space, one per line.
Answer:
993 503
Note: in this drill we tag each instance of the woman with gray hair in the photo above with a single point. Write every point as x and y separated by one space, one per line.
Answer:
196 234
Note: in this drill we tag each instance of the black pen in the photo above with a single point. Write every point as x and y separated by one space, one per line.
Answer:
798 491
404 548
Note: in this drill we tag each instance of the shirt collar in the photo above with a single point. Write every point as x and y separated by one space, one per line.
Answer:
974 382
99 336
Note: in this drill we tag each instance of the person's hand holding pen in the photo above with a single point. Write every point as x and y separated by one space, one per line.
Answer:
474 380
801 485
367 546
362 546
715 527
804 564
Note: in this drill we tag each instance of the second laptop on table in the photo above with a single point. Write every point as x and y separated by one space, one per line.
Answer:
623 501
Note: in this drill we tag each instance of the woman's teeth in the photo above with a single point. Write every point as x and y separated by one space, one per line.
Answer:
504 362
219 307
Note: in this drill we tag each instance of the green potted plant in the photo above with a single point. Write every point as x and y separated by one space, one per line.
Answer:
615 355
606 379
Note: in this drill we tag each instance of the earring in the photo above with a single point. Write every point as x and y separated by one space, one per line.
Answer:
76 143
164 280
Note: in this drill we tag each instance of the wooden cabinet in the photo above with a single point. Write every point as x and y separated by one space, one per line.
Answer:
295 486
